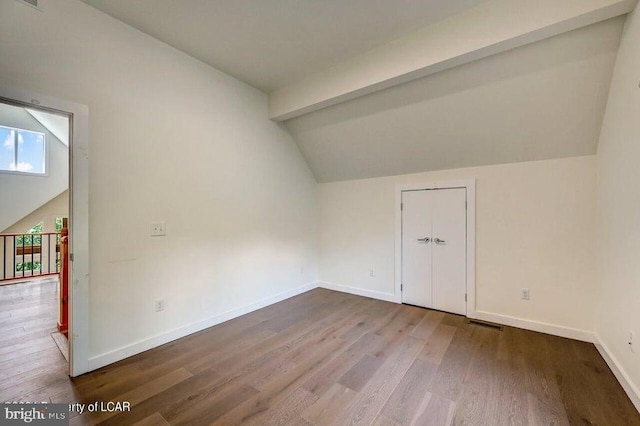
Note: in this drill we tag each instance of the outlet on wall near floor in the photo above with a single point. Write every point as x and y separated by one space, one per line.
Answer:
630 342
524 295
159 305
372 273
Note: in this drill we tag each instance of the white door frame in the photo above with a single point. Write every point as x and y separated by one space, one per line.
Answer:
79 217
470 186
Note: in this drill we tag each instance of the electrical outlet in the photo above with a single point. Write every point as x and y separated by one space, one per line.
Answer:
159 305
372 273
525 294
158 229
631 341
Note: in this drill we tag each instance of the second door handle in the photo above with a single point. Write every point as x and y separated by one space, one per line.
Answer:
435 240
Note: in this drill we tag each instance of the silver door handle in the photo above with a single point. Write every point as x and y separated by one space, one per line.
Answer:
424 240
439 241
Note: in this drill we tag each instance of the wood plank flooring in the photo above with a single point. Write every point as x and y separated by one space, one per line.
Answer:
30 360
328 358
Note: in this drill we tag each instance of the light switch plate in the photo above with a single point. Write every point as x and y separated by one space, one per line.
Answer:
158 229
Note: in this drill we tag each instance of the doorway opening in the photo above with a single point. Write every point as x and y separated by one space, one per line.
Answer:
34 188
78 229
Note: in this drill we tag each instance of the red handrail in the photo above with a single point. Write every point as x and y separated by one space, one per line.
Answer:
63 325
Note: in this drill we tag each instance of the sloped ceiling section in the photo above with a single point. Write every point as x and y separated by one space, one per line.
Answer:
384 87
487 29
544 100
270 43
56 124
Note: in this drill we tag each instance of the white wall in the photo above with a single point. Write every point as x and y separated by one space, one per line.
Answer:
534 224
47 214
21 194
171 139
618 236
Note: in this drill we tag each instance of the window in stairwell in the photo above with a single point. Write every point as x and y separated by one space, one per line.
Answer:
22 151
28 238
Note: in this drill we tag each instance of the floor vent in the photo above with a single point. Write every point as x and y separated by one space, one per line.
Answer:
485 324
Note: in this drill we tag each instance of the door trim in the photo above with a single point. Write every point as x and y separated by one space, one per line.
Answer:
470 186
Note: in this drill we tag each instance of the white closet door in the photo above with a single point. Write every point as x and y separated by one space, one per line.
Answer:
449 250
416 251
434 235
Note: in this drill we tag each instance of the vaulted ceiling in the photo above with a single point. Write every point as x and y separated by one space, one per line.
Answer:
541 101
271 43
382 87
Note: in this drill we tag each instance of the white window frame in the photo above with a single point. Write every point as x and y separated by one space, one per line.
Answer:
15 148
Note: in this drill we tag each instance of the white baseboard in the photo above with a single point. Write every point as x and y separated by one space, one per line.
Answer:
625 381
358 291
556 330
149 343
160 339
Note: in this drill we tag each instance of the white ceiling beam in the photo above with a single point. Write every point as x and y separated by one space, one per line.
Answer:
490 28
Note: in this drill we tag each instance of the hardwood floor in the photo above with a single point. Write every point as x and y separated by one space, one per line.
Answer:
327 358
30 360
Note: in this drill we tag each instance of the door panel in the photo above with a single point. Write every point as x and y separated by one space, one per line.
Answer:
416 256
434 272
449 257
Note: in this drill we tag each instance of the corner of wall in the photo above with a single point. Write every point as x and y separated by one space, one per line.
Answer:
388 297
618 370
